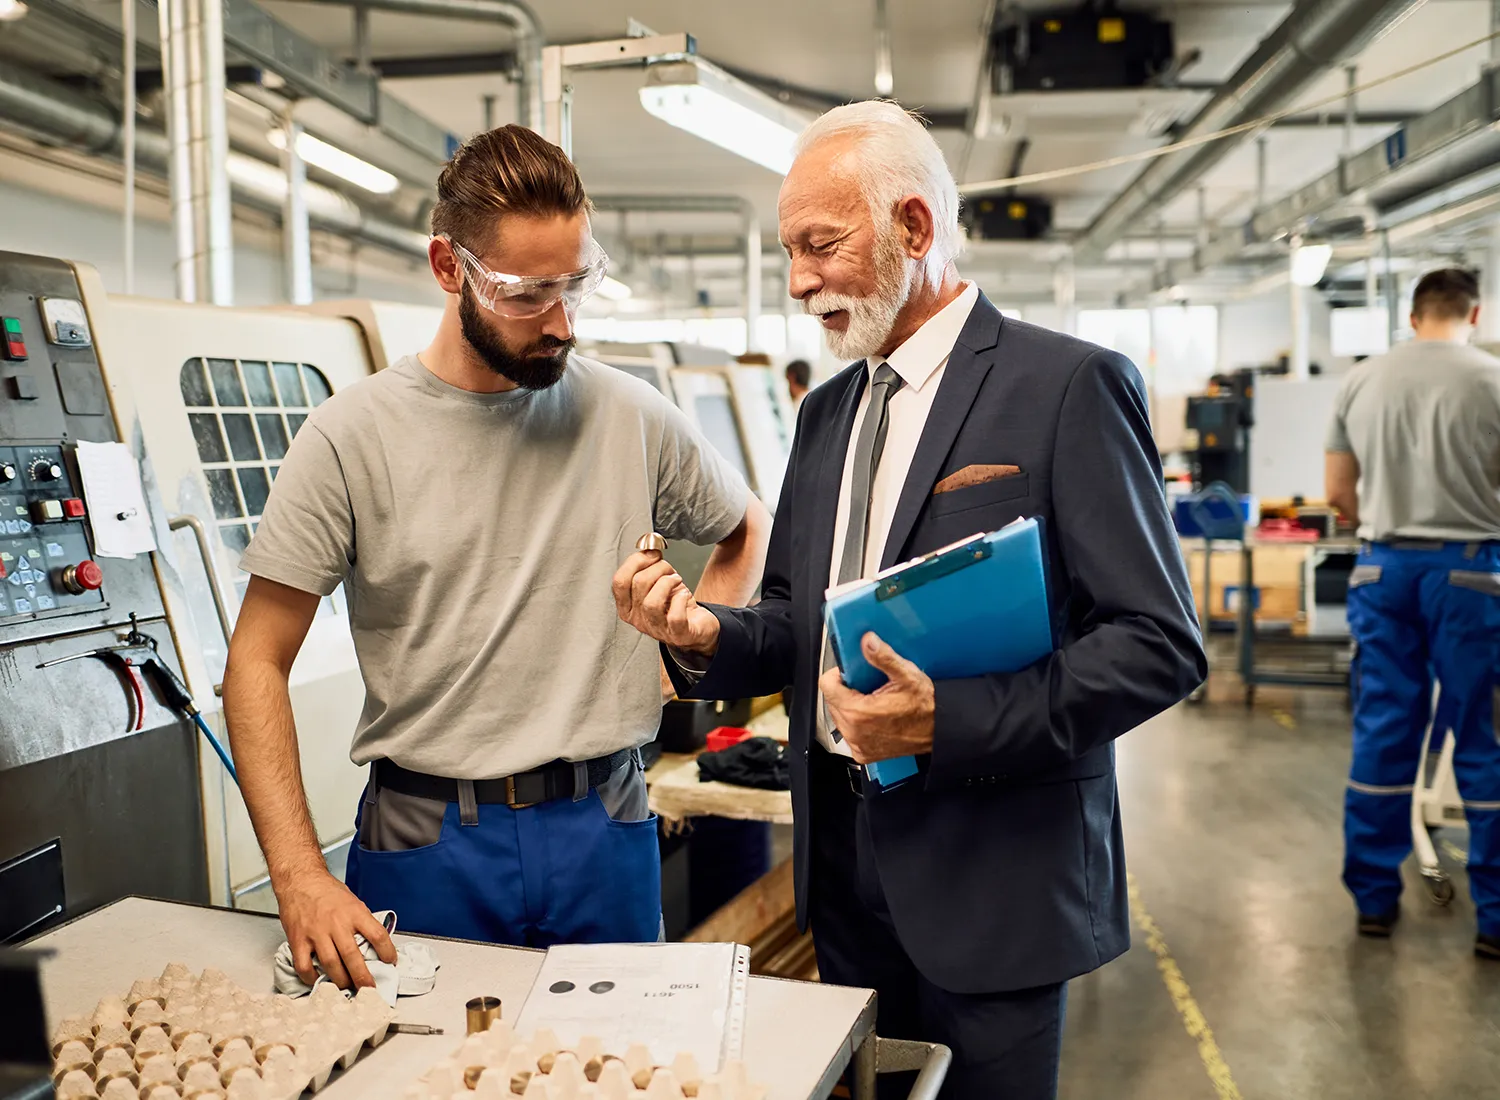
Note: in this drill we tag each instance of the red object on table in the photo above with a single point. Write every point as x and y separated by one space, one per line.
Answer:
724 736
1284 530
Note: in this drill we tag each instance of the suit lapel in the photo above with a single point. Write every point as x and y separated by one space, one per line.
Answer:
828 476
968 366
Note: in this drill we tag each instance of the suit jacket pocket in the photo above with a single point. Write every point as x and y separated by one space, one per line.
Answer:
979 496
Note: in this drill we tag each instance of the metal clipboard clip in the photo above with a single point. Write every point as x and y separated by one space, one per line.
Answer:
931 566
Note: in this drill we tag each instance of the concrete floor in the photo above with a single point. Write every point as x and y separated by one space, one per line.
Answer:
1233 824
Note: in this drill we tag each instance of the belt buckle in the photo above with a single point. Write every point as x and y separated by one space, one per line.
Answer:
854 771
510 795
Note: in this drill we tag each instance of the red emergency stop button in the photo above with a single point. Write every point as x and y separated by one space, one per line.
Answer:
86 576
73 508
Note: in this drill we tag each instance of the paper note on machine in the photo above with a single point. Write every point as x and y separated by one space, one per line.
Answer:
673 997
117 504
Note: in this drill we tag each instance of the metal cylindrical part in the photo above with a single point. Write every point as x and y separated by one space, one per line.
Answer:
651 541
481 1012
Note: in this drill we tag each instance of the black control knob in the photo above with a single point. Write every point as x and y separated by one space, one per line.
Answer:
7 473
45 469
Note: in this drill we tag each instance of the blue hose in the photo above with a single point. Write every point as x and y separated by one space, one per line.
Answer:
218 748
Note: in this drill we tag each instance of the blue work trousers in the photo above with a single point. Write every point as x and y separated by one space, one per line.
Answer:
563 871
1418 613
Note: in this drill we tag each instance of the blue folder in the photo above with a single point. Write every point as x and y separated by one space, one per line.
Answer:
970 609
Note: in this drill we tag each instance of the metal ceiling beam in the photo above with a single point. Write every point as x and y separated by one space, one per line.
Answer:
502 62
306 68
1470 112
1314 36
43 109
511 14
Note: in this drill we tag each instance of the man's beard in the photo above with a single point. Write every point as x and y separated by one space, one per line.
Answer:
873 317
525 368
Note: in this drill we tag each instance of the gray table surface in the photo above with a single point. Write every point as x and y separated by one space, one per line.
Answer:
798 1035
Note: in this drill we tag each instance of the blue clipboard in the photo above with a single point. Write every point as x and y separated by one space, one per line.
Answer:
973 608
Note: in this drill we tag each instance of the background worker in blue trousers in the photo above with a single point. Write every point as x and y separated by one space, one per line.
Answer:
474 501
1414 459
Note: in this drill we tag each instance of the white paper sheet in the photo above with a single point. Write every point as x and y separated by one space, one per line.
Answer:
673 997
116 502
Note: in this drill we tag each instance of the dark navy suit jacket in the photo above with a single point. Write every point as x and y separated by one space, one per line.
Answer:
1003 867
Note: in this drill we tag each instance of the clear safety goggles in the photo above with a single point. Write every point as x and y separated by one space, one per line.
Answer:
523 296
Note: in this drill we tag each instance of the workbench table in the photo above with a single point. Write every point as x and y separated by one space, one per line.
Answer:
798 1036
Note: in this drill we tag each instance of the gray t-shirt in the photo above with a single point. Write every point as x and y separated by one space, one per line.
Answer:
1423 421
477 535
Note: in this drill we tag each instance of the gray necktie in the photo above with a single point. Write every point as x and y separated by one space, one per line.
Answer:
867 451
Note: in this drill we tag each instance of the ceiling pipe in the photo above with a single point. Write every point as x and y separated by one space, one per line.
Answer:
1314 36
708 204
43 109
510 13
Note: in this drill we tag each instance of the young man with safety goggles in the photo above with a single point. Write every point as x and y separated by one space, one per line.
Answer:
475 501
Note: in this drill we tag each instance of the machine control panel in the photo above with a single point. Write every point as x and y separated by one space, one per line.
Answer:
46 564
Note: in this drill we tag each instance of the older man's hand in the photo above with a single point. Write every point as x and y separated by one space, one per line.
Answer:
653 598
896 719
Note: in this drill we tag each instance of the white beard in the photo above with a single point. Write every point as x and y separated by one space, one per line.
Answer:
871 318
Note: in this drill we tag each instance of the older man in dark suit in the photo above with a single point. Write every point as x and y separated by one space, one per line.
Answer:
968 896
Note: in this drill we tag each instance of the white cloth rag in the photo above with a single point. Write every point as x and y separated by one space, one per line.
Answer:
413 973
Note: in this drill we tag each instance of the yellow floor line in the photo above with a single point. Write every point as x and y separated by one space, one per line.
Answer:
1284 719
1182 997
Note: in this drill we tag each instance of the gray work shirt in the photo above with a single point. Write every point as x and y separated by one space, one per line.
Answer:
476 536
1423 421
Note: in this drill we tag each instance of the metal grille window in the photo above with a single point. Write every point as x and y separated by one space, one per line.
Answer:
244 415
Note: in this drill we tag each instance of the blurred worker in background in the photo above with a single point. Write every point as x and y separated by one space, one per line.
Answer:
971 895
1414 460
474 501
798 379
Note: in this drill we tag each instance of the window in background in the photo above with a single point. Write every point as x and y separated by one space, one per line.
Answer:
244 415
1185 340
1127 331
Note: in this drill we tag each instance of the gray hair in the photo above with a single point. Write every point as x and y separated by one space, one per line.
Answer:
895 157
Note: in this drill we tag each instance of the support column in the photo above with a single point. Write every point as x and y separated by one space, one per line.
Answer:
192 46
1489 288
1065 295
753 281
1299 354
296 237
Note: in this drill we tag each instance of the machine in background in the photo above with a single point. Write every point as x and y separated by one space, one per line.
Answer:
99 788
1222 419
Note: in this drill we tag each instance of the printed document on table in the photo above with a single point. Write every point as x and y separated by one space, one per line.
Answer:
673 997
116 502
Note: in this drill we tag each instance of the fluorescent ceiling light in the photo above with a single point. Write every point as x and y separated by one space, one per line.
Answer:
1309 261
613 290
10 10
332 159
707 102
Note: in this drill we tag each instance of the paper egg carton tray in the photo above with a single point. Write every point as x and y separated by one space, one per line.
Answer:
191 1037
499 1065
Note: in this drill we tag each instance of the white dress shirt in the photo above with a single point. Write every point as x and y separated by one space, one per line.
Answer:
920 362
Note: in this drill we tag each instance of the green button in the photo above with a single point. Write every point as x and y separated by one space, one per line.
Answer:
13 324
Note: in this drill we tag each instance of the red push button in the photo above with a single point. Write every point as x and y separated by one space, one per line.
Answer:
15 349
73 508
86 576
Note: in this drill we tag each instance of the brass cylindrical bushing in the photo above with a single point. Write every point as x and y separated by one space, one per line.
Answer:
482 1012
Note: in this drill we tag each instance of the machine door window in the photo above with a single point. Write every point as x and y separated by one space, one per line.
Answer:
244 415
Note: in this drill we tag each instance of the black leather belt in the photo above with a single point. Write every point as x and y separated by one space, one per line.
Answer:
550 781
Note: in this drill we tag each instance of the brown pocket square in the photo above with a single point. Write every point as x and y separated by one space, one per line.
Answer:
974 475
